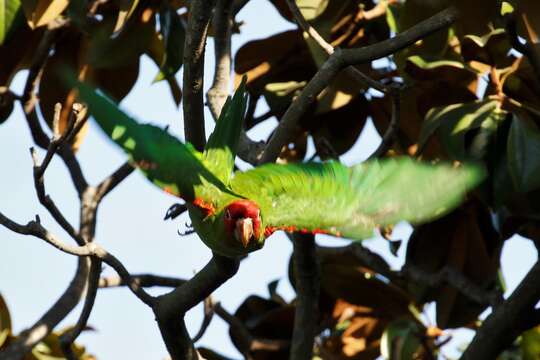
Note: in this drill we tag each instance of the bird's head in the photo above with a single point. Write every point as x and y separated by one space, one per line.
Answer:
243 221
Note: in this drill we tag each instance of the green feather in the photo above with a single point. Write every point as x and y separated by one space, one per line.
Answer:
351 202
173 166
222 145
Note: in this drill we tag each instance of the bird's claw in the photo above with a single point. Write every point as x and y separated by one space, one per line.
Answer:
175 210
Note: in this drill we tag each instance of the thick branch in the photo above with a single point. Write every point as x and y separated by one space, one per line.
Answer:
200 13
505 323
341 58
307 278
171 308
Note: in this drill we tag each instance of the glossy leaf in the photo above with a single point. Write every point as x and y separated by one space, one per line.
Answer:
173 35
491 48
530 344
401 340
42 12
454 121
10 12
524 154
126 10
5 319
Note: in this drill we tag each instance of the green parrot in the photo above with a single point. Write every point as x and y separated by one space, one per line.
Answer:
234 212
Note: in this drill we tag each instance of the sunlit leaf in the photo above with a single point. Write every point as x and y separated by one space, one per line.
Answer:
126 9
10 18
42 12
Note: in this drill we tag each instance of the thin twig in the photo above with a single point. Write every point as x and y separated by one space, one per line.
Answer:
341 58
457 280
142 280
351 70
67 339
390 133
208 309
109 183
35 228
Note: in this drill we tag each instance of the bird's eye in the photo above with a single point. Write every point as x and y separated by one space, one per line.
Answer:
227 214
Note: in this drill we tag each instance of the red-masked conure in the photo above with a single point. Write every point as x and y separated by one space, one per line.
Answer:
234 212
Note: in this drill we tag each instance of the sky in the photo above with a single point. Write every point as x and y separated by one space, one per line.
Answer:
130 225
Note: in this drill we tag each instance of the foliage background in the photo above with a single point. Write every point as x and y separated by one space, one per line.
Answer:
130 224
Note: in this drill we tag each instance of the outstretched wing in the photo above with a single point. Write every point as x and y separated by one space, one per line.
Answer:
350 202
173 166
221 148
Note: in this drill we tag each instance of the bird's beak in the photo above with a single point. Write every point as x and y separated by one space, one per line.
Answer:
244 230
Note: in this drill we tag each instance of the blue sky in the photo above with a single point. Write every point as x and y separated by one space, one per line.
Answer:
131 226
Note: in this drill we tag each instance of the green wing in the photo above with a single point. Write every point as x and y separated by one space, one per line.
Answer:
351 202
221 148
173 166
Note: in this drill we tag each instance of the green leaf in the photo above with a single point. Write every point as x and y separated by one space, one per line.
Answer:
491 48
506 8
10 18
524 154
401 340
454 121
530 344
421 68
174 35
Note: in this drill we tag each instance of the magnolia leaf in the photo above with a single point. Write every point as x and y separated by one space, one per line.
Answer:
454 121
42 12
10 18
173 35
530 344
524 154
401 340
5 319
126 10
491 49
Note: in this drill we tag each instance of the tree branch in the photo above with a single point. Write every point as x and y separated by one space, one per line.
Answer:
171 308
200 13
341 58
142 280
505 323
67 339
390 133
92 249
307 278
